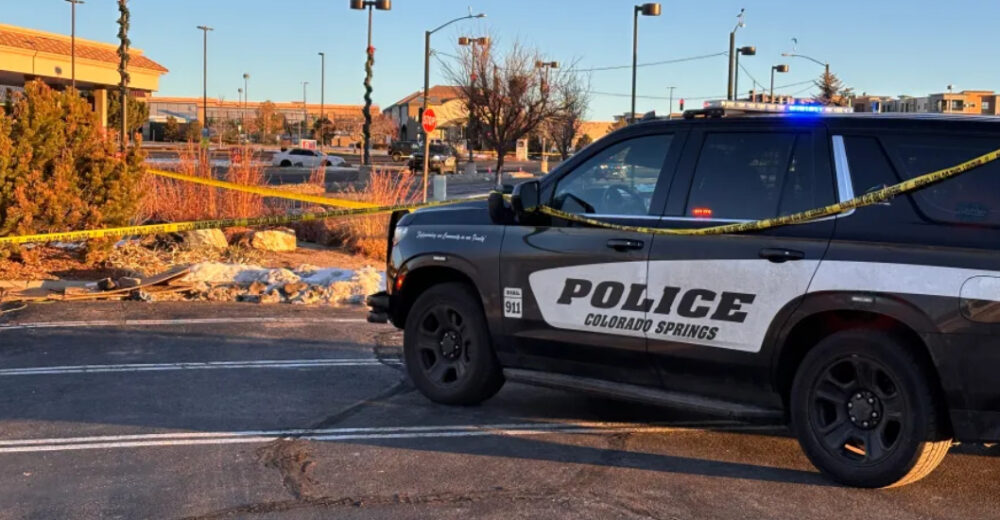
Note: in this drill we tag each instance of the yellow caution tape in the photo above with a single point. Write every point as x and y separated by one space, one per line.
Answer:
867 199
264 192
175 227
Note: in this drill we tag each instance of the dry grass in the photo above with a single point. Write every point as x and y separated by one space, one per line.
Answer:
367 235
167 200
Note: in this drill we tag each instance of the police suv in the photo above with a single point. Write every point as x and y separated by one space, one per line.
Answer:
874 334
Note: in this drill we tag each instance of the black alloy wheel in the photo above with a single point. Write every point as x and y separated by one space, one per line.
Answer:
447 347
867 411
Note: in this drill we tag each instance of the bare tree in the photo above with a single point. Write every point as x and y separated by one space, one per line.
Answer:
564 125
506 95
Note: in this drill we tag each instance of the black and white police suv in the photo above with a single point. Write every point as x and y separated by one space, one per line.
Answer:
875 334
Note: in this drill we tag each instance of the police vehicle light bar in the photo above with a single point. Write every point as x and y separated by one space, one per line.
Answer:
752 106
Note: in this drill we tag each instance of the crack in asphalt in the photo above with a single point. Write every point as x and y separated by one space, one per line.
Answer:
433 498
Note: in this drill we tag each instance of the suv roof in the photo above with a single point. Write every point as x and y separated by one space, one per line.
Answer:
855 120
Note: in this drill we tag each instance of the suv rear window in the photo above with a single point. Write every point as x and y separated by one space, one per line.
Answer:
755 175
972 197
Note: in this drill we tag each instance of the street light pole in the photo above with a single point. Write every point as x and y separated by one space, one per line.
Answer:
749 50
204 76
651 9
545 85
732 55
305 112
427 75
322 85
775 68
72 44
246 100
366 133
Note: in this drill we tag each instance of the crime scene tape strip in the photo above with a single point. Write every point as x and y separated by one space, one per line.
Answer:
867 199
264 192
175 227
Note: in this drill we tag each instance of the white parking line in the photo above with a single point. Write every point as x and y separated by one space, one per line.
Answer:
179 321
346 434
196 365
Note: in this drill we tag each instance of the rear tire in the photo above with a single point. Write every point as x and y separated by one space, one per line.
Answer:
447 349
866 411
286 163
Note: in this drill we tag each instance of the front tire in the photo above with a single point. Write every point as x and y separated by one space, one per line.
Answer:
285 163
866 411
447 349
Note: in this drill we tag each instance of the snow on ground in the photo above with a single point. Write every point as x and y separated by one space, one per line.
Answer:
336 285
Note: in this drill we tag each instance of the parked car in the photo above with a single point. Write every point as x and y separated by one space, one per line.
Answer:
443 159
874 334
306 158
400 150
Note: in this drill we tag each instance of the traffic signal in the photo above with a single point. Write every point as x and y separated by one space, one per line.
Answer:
682 104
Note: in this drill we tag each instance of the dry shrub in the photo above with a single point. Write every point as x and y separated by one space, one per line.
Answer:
367 235
168 200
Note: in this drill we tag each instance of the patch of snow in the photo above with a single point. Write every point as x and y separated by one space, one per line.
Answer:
338 285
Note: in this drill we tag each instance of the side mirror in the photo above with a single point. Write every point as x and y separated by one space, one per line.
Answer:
525 198
500 214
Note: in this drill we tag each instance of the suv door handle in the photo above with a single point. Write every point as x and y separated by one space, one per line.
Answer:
624 244
779 255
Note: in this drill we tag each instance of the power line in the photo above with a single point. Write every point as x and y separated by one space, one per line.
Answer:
651 63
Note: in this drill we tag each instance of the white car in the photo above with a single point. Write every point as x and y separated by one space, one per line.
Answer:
306 158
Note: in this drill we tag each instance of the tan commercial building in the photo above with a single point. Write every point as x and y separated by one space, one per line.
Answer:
447 105
28 54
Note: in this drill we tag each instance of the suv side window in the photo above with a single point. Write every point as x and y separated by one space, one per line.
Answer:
756 175
618 180
972 197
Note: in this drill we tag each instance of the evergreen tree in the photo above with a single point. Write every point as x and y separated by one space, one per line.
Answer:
832 90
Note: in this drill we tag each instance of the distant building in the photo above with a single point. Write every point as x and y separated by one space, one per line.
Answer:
446 102
969 102
867 103
28 54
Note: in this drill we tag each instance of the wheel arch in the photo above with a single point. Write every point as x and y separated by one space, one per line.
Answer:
822 314
421 273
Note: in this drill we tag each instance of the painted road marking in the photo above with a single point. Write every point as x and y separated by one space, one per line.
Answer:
179 321
195 365
347 434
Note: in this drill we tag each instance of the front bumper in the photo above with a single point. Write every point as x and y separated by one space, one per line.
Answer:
379 305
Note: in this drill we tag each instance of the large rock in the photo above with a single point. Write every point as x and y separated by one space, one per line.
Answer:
274 240
205 238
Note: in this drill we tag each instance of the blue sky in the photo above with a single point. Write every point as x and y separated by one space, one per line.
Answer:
886 47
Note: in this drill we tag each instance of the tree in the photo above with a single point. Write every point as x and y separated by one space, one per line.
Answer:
324 130
192 131
137 112
583 141
832 90
268 121
506 94
384 128
563 127
172 129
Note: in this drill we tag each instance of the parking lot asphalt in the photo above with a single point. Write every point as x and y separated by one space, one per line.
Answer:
132 410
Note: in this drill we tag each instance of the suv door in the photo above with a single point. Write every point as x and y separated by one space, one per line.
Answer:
563 282
718 295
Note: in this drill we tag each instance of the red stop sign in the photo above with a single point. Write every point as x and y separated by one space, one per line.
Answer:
429 120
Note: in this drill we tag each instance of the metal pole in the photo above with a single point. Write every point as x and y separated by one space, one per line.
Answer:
322 86
204 92
366 129
771 97
635 53
427 80
670 111
73 41
732 57
736 77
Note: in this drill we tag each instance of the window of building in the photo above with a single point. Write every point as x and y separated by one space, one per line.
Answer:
618 180
956 104
755 176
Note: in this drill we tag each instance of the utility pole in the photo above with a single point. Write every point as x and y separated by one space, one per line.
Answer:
72 44
305 112
204 76
670 111
322 85
246 101
651 9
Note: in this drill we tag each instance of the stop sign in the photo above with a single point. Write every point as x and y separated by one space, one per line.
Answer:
429 120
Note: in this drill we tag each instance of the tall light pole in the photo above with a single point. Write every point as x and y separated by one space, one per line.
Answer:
204 76
427 79
776 68
305 112
72 44
749 50
670 111
732 54
652 9
545 65
366 130
246 101
825 65
322 84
